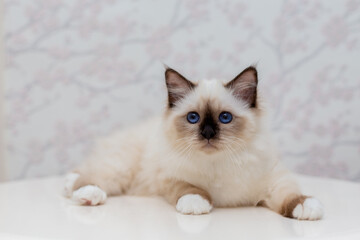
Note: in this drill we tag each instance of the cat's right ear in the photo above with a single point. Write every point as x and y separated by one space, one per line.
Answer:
177 85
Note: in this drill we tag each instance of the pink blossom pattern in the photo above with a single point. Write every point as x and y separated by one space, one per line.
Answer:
79 69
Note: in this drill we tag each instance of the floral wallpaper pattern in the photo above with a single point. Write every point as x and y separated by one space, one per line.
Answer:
79 69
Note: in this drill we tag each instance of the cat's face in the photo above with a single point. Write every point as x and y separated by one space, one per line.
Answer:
210 116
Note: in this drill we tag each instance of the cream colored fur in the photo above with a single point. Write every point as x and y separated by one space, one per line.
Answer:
153 157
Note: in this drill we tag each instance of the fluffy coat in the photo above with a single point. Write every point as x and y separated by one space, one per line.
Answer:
235 164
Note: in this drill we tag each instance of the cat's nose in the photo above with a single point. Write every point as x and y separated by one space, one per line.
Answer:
208 132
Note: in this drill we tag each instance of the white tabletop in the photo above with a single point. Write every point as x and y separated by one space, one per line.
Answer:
35 209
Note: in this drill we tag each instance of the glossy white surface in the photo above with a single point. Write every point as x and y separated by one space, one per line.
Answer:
35 209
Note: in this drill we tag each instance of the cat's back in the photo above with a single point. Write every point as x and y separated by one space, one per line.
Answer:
137 133
126 143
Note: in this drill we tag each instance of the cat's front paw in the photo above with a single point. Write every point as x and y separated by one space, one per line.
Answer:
89 195
310 209
193 204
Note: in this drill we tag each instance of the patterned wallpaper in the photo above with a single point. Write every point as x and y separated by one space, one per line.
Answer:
2 161
78 69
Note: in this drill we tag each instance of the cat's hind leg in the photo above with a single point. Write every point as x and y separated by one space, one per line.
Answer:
108 171
92 183
102 175
89 194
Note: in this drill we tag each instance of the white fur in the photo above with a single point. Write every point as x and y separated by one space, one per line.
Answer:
70 180
89 195
141 160
193 204
311 209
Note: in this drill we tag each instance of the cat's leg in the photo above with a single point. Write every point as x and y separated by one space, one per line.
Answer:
187 198
87 187
285 198
91 185
108 171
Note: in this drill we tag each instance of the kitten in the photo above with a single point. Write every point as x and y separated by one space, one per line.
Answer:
211 147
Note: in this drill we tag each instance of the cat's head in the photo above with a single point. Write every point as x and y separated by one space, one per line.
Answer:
211 116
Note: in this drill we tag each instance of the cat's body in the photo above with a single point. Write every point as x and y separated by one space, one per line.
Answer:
195 159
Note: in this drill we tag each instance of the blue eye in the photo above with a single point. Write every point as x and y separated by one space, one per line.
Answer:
193 117
225 117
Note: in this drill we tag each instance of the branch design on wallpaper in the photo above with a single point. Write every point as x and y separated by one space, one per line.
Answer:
75 68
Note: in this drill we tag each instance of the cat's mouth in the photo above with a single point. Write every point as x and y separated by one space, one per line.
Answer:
209 146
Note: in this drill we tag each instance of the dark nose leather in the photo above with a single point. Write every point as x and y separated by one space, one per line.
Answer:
208 132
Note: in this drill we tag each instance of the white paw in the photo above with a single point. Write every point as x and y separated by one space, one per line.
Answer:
311 209
89 195
193 204
70 180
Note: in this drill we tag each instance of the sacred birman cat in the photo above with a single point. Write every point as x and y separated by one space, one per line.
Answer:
211 147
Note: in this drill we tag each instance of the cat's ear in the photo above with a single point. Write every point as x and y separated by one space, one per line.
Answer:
177 85
244 86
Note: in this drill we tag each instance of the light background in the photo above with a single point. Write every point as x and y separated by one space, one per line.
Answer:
78 69
2 160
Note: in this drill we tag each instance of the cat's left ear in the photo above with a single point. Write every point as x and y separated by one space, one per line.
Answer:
244 86
177 85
